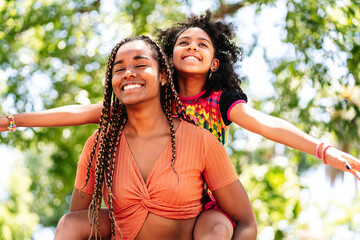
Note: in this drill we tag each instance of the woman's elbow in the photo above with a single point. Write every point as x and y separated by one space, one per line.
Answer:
253 229
247 230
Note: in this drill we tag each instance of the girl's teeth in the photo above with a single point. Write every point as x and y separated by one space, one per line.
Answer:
191 58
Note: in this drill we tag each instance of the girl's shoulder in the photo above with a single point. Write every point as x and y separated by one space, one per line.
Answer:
233 94
192 130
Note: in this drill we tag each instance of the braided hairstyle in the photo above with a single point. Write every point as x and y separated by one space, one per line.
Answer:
112 122
222 37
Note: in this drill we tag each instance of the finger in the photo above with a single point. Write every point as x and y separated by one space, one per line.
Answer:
347 165
351 170
355 163
355 173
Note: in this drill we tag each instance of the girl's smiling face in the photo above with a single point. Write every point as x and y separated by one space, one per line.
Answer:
194 53
135 74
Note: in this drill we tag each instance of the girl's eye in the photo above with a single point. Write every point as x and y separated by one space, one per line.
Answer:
182 43
202 45
119 69
141 65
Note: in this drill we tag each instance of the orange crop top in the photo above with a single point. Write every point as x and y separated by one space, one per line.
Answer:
199 157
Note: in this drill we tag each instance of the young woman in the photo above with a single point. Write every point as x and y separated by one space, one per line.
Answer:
150 167
203 54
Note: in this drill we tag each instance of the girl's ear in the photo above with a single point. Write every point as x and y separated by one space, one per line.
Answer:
214 65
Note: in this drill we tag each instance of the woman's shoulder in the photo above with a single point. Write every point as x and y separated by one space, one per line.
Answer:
91 140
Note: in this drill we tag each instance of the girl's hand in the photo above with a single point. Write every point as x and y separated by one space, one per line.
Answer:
343 161
4 123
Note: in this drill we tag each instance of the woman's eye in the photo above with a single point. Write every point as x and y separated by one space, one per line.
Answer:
141 65
202 45
182 43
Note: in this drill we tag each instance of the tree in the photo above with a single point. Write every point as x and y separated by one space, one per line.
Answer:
16 219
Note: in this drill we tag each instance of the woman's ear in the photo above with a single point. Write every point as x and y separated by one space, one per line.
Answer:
162 78
215 64
170 59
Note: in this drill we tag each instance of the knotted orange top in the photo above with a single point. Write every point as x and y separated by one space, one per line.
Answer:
199 156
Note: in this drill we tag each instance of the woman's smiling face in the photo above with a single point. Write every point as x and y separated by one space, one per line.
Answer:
135 74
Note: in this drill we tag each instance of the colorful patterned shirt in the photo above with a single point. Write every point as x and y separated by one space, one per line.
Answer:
212 112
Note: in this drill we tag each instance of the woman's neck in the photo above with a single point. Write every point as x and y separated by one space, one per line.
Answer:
191 85
146 121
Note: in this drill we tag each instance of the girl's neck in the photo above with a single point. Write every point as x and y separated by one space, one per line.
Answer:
191 86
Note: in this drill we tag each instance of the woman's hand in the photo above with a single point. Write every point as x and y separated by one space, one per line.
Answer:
343 161
4 123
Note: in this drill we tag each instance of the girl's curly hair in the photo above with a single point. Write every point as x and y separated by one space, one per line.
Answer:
222 37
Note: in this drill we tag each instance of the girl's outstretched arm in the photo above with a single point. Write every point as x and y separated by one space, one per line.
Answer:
63 116
281 131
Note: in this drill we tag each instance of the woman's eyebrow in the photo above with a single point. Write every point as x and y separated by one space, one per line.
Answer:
135 58
141 57
118 62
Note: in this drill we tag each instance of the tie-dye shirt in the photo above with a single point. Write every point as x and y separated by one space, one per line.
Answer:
212 112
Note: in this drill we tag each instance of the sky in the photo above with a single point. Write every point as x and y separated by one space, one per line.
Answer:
319 191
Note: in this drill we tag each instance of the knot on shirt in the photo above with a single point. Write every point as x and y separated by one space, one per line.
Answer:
147 203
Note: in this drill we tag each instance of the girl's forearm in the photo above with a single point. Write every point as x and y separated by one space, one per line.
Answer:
63 116
283 132
273 128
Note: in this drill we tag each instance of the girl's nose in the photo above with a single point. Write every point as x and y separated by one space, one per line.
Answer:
192 47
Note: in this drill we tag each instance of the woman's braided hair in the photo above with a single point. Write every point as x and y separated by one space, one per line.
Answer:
222 37
112 122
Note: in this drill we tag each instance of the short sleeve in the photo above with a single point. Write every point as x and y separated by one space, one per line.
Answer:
83 163
228 99
219 171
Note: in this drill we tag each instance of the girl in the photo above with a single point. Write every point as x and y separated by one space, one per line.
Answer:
149 196
202 54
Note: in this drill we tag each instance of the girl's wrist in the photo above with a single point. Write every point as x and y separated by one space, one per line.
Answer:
321 149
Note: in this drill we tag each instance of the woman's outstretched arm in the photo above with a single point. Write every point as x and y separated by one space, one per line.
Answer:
281 131
70 115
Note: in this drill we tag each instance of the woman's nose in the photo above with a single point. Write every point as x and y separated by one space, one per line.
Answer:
129 74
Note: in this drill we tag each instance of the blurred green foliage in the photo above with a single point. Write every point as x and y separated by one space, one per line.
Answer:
17 221
53 53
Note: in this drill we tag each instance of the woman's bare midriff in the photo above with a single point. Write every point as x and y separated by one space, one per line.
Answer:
156 227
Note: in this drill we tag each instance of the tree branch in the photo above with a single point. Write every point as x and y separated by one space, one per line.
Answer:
227 9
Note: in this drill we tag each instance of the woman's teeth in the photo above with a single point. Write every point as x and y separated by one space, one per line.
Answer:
132 86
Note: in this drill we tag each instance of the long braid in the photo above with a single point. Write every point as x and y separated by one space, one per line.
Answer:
118 124
103 153
105 112
95 204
